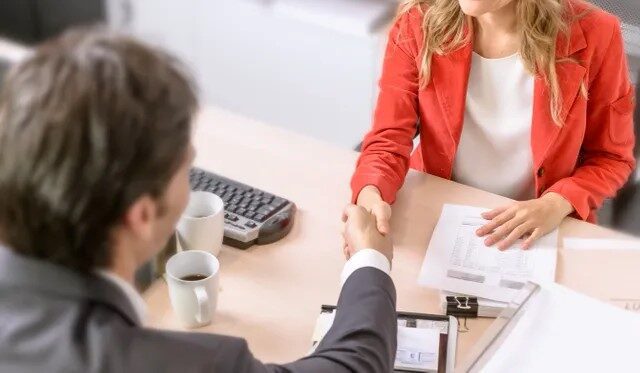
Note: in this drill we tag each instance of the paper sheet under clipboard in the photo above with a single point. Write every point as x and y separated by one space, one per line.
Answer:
458 261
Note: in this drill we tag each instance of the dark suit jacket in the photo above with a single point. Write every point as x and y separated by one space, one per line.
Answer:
56 320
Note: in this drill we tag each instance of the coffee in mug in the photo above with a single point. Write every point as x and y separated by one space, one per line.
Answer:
193 280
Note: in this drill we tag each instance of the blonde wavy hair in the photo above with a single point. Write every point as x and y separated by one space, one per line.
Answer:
539 24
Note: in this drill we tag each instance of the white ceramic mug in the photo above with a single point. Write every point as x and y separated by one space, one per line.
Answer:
201 226
194 301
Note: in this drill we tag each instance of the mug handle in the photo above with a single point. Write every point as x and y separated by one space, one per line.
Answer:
203 304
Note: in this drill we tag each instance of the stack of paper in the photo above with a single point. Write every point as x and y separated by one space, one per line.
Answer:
458 261
564 331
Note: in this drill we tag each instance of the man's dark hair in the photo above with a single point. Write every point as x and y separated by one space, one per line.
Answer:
89 123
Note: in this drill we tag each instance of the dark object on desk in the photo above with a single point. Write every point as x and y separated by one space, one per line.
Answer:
32 21
448 326
252 216
462 306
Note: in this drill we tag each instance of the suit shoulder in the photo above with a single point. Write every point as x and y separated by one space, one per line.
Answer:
406 31
411 18
598 25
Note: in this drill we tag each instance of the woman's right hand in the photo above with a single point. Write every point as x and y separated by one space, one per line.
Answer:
371 199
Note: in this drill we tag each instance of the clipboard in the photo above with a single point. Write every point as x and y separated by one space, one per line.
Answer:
447 327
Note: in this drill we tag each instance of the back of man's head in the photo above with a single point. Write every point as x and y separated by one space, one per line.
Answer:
89 123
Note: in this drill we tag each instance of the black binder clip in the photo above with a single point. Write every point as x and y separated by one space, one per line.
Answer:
462 306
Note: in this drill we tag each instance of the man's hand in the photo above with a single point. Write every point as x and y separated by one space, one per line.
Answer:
361 232
531 219
372 201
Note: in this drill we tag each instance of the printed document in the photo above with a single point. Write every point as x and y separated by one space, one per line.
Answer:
417 349
457 260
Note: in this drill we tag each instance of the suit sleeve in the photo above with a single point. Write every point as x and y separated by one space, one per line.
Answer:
607 149
384 161
363 337
364 332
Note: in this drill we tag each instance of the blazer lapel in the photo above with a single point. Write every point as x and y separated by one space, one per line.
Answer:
450 77
570 77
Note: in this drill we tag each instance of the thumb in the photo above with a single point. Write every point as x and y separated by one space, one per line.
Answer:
382 218
349 210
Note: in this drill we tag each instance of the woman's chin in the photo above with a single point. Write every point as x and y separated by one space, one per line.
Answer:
473 8
476 8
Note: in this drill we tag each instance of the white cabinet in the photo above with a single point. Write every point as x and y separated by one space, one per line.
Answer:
260 59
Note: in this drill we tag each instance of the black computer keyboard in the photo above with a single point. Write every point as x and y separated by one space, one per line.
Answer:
252 216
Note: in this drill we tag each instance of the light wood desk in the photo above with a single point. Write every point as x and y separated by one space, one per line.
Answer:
271 295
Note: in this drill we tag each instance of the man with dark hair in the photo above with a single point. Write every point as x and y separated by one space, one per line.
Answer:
95 152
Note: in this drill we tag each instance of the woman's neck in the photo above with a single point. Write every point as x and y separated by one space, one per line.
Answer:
496 33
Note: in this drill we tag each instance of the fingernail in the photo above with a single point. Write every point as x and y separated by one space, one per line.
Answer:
479 232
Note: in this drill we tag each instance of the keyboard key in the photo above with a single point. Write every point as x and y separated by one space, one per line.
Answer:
267 201
249 214
233 218
260 218
266 209
231 208
253 208
278 202
244 205
250 224
241 211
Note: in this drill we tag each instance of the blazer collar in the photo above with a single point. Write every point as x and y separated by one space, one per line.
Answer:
450 77
24 274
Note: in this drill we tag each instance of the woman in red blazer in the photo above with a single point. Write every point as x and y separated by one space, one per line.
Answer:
580 107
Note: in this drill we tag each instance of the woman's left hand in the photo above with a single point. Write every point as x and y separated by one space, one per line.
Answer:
533 218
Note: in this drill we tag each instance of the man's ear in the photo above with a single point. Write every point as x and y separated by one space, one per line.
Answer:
138 219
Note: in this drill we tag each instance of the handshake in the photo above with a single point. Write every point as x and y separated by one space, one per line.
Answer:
361 232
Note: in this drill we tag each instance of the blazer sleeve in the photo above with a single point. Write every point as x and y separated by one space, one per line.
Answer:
607 150
384 160
363 337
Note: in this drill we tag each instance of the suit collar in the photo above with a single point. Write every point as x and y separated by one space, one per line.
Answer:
571 43
26 274
450 76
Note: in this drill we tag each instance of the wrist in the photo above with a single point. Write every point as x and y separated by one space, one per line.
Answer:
369 195
560 204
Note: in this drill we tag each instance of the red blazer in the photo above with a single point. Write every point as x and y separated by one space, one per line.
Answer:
586 160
